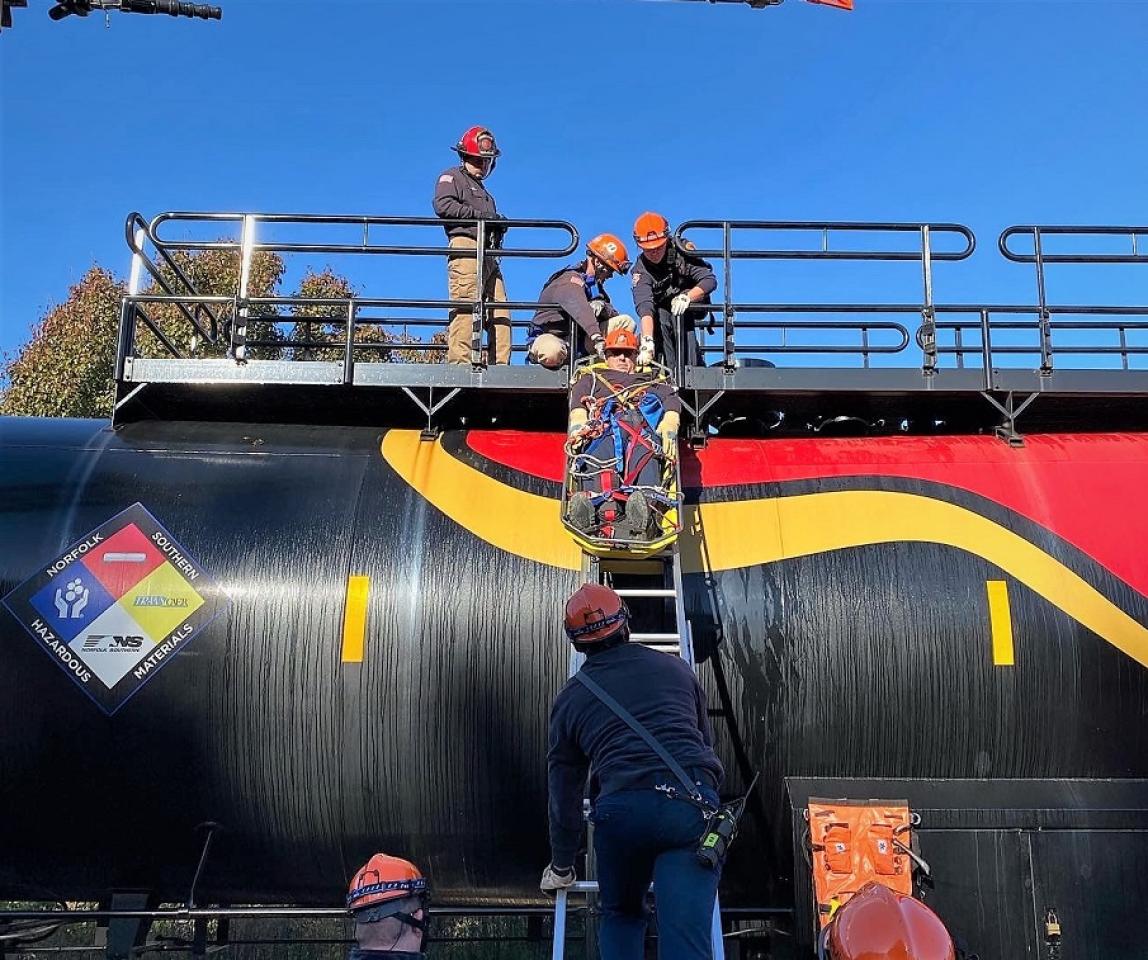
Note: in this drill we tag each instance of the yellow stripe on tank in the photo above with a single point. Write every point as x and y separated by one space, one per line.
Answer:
355 618
1000 620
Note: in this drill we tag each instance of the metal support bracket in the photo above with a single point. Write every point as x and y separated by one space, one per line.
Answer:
1010 410
430 408
211 828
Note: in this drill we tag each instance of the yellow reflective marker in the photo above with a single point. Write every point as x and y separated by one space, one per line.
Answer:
355 618
1000 619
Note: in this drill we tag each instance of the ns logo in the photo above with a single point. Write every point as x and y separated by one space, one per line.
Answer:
94 640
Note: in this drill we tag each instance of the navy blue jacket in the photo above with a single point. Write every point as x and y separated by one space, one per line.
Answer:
662 693
460 196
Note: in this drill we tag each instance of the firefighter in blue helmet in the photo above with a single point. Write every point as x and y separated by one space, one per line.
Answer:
669 288
645 829
388 902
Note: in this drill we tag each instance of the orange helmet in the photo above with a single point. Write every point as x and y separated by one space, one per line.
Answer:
651 230
611 251
879 924
595 612
384 880
621 339
477 142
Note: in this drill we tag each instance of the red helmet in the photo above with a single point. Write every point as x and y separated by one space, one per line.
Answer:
594 613
651 230
611 251
879 924
382 880
477 142
621 339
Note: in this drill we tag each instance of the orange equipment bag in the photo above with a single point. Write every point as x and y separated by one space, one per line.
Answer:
855 842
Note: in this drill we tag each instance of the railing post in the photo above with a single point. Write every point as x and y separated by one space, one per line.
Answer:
239 329
349 346
987 349
729 357
928 313
1042 300
1123 346
127 338
959 343
865 346
478 319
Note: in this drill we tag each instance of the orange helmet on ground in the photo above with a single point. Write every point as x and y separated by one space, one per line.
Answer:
477 142
880 924
594 613
621 339
651 230
609 250
381 884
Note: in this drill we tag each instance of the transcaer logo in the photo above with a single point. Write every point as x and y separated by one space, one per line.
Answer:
143 601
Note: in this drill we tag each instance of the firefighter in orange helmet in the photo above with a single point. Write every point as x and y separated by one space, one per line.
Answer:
582 303
644 827
669 286
461 194
388 901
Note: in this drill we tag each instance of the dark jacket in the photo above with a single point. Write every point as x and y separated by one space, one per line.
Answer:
662 694
460 196
589 386
656 284
568 288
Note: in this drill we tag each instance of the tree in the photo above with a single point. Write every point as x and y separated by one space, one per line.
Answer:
67 368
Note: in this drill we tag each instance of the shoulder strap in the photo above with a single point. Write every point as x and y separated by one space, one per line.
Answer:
628 718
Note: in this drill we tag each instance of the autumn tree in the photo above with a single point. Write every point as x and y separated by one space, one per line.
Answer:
67 368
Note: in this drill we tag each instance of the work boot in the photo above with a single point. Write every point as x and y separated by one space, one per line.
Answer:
638 516
580 511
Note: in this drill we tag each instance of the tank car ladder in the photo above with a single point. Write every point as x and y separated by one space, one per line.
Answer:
653 581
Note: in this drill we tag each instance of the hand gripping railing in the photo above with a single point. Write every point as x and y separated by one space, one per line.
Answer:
925 254
179 290
1039 257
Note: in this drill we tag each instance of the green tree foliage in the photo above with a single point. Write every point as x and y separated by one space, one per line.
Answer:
66 369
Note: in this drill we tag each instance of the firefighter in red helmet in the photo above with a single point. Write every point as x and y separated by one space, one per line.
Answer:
388 901
879 924
645 828
461 194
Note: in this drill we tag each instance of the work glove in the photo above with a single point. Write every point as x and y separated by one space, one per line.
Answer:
599 342
554 879
680 304
597 306
670 446
646 352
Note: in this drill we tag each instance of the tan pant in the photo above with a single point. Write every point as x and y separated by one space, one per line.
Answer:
462 284
551 350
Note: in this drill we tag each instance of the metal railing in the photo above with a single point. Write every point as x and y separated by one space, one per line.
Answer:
217 317
923 252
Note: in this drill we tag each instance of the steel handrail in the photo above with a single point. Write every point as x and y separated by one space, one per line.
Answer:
825 227
1037 231
366 222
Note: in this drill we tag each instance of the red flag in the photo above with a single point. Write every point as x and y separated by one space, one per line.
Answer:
839 4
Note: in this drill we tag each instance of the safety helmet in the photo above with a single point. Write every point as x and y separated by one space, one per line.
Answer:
621 339
611 251
651 230
881 924
381 884
477 142
594 612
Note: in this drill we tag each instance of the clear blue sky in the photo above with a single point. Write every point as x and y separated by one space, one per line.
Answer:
987 112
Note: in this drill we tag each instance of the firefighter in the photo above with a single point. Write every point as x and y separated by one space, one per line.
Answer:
461 194
581 296
647 445
388 901
667 286
645 829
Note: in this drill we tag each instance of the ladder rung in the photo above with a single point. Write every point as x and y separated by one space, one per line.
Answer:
665 592
656 637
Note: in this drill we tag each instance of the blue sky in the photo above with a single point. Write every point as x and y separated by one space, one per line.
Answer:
986 112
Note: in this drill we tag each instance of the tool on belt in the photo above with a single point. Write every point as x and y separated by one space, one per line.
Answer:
721 822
